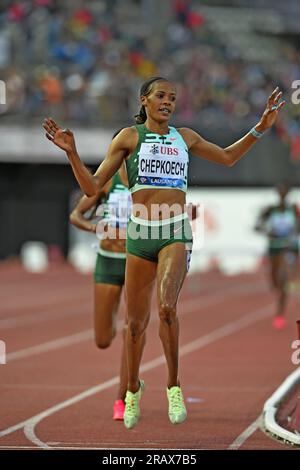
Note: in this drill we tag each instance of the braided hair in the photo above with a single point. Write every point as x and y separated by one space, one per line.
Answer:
145 90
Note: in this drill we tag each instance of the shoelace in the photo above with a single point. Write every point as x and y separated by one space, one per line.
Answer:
176 400
131 407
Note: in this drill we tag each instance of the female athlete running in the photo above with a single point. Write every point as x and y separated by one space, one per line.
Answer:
159 238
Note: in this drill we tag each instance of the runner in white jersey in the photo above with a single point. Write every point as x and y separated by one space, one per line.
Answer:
281 224
159 236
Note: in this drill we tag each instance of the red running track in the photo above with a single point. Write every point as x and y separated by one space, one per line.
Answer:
57 388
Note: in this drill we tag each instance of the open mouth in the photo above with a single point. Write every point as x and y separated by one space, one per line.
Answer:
164 111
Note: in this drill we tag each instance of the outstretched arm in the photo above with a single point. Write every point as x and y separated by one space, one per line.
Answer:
121 146
230 155
64 139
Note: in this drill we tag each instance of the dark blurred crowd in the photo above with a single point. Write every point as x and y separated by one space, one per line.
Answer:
84 62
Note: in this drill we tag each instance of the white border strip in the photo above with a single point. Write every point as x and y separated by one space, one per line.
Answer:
159 223
271 407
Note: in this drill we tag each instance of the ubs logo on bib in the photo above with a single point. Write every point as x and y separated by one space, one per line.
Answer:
154 149
163 150
169 151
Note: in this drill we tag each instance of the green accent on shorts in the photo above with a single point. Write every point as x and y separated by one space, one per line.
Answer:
280 245
110 270
145 239
276 250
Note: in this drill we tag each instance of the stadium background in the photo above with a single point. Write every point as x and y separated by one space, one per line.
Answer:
82 62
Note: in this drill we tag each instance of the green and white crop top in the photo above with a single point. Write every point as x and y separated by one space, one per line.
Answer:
158 162
282 227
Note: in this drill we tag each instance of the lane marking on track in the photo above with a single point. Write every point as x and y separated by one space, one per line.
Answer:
35 302
41 317
239 441
85 335
251 429
221 332
50 345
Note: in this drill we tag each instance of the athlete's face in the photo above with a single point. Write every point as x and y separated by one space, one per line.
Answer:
160 103
283 191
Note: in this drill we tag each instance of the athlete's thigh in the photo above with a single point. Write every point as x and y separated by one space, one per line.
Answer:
291 260
106 299
279 268
139 281
171 272
275 262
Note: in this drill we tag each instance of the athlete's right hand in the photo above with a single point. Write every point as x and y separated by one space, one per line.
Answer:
63 138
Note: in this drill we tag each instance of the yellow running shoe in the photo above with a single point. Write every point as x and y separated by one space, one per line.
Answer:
132 406
177 410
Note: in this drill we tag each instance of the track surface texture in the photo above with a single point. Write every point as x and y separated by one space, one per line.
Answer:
57 388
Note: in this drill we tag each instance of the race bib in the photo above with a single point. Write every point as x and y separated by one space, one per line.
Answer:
162 165
119 206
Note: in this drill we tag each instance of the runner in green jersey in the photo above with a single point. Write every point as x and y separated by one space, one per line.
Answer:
157 174
281 224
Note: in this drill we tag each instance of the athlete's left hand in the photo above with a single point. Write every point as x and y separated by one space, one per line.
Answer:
271 112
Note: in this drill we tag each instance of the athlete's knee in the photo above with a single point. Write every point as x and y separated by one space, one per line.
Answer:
103 342
167 313
275 277
281 279
136 328
275 283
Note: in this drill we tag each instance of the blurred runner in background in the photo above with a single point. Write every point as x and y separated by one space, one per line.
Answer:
281 224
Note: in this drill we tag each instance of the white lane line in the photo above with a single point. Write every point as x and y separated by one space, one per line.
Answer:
71 401
226 330
41 317
64 294
51 305
84 335
43 386
239 441
50 345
